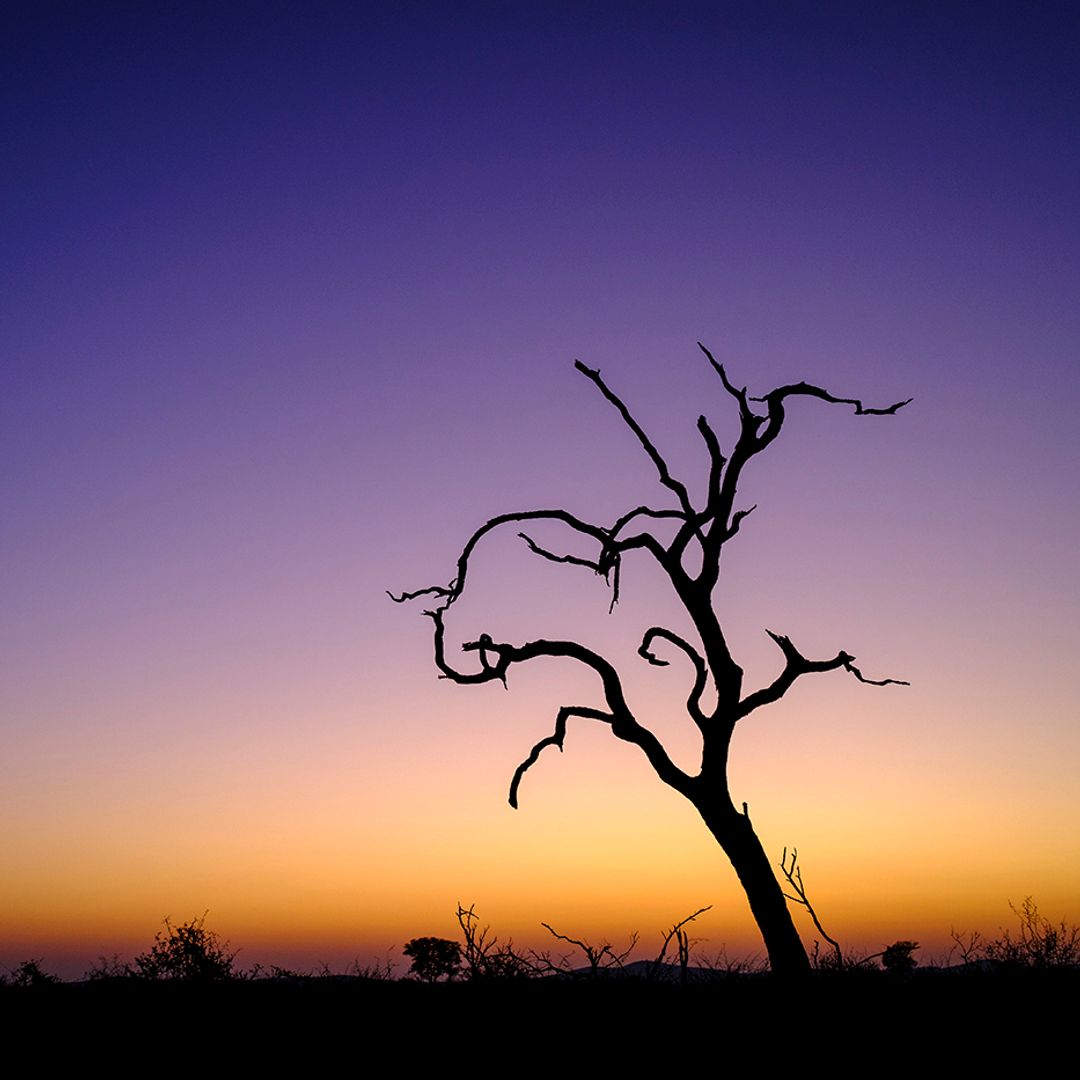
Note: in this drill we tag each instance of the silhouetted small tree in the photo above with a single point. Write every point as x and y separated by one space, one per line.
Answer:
433 958
685 540
897 959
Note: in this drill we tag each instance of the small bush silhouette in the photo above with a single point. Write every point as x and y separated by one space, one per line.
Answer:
109 968
188 952
433 958
31 974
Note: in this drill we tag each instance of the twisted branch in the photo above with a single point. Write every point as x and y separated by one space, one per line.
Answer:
453 590
495 661
809 390
555 739
717 523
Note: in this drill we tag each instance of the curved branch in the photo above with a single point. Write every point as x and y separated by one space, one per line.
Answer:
796 664
775 400
610 548
608 566
496 658
487 672
808 390
736 521
701 671
453 590
435 590
555 739
849 666
667 560
654 455
644 511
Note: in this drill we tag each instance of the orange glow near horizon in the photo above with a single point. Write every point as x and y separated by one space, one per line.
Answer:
599 849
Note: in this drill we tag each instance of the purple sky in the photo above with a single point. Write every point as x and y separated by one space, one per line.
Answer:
291 295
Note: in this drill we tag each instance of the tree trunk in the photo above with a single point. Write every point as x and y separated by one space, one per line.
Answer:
735 834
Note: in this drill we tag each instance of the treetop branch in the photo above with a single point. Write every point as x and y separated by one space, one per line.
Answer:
807 390
795 665
748 416
661 465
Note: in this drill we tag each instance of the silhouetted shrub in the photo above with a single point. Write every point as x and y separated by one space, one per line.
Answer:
897 958
376 971
1038 943
187 952
31 974
483 956
109 968
602 958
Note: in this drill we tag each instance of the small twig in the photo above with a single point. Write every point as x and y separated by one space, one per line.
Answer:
552 557
794 878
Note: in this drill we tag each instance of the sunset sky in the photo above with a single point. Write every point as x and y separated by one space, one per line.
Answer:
291 296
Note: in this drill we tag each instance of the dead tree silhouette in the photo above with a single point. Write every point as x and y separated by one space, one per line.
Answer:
690 558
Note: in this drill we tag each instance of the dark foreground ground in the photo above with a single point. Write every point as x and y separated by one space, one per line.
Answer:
931 1018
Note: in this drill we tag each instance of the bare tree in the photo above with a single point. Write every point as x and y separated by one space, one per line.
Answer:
686 541
483 956
600 957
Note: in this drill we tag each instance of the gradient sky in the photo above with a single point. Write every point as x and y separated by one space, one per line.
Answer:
291 296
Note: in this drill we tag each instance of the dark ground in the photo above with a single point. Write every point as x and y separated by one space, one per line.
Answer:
938 1019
